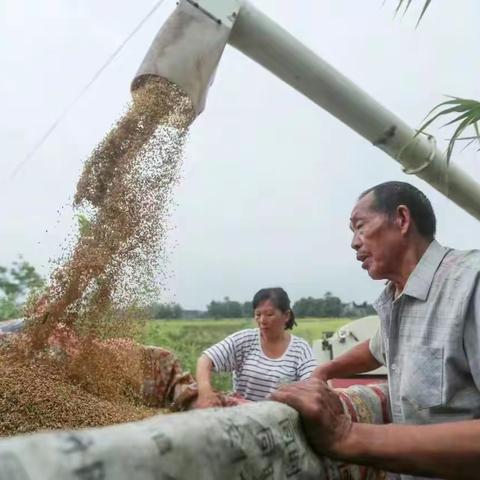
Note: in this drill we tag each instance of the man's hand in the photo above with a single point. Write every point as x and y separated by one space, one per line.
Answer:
324 421
321 373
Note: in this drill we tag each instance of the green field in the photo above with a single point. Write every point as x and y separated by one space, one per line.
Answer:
189 338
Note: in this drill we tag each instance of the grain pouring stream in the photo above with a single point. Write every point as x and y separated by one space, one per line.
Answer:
78 332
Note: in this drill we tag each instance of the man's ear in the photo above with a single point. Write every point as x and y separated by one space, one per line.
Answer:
403 219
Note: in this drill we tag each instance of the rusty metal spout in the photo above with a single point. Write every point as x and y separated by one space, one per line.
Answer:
188 47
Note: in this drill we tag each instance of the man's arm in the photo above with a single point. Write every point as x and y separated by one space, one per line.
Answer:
450 450
446 450
357 360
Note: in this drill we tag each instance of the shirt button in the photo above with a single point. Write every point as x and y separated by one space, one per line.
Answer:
394 366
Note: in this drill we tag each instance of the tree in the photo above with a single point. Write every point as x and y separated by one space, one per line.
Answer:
332 306
247 309
308 307
214 309
16 283
234 309
226 309
166 311
328 306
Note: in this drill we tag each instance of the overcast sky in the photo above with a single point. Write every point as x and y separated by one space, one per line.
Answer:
269 179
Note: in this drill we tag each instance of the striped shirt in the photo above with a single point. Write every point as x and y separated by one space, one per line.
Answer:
254 374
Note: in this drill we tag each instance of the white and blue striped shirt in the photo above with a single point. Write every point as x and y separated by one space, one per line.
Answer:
254 374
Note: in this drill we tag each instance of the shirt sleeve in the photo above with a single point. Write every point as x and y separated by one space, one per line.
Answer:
376 347
225 353
307 363
471 336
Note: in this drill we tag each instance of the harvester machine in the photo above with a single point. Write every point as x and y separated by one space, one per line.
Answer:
262 440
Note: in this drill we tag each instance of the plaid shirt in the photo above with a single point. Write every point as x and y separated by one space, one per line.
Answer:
429 338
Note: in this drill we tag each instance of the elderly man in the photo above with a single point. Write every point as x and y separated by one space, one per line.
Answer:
429 341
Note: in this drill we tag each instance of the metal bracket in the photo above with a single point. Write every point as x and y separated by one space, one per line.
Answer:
428 161
223 12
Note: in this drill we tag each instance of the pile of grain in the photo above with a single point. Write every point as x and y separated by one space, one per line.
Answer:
35 396
101 284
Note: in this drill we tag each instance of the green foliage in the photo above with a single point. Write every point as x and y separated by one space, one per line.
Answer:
226 309
469 111
84 224
328 306
15 283
9 308
188 339
247 309
19 278
166 311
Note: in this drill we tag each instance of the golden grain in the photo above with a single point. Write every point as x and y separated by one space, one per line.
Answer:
70 369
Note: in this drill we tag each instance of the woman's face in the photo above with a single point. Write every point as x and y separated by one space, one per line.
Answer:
269 318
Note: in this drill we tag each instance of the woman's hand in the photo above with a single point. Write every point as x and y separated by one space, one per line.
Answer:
207 400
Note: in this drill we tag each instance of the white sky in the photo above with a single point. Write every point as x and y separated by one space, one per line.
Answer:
269 179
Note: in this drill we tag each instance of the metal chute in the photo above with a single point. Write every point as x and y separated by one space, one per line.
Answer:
188 47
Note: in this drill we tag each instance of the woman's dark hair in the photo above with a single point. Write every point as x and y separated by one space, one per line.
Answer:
278 296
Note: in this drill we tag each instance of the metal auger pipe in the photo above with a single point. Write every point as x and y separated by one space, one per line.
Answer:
268 44
189 46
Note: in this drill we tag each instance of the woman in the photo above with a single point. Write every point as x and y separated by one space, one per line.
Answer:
262 358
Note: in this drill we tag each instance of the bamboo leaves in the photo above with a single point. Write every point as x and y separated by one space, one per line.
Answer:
407 4
468 110
469 116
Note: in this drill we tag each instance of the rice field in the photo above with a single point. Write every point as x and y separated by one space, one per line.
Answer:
188 338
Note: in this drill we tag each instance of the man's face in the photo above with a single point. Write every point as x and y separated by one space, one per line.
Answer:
377 239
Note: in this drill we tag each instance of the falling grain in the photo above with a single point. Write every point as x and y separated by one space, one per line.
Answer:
92 309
